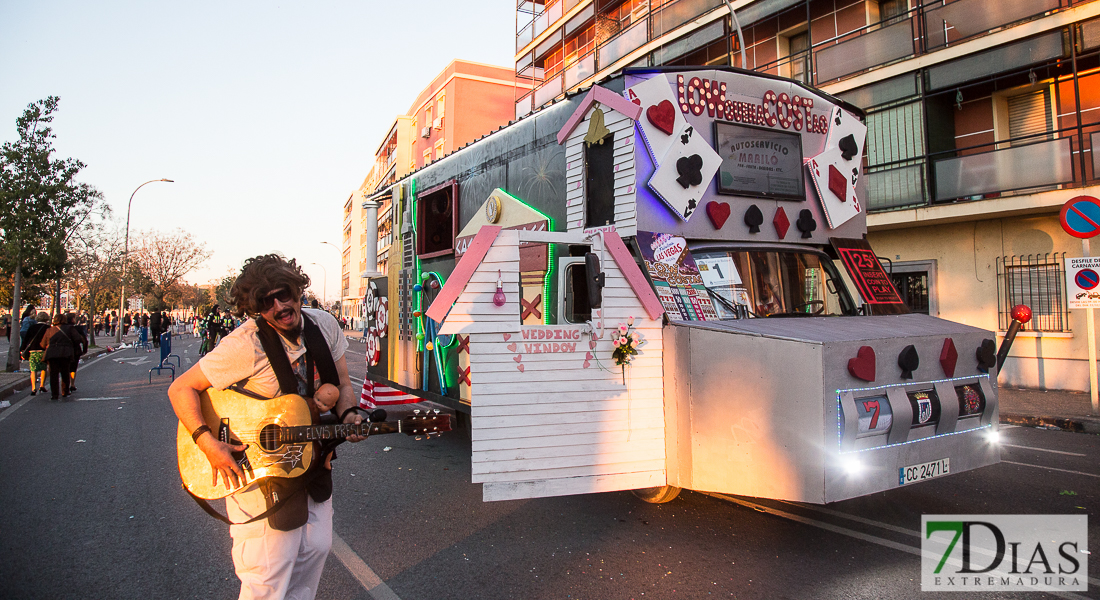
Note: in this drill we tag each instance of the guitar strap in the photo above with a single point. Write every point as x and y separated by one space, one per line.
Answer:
284 493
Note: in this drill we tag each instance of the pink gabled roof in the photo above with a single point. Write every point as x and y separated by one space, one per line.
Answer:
464 270
603 96
633 274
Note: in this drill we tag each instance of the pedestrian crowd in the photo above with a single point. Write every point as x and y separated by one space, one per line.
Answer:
54 346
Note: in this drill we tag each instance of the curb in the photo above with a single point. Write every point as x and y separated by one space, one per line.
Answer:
1071 424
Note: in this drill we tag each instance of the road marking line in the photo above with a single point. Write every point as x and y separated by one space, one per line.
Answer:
852 533
103 398
865 521
1051 468
1042 450
15 406
360 571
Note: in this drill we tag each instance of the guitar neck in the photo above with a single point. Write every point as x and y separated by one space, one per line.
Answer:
316 433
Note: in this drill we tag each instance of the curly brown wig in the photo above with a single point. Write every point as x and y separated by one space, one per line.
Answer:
262 275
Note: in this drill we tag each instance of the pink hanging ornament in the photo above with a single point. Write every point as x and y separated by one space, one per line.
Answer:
498 298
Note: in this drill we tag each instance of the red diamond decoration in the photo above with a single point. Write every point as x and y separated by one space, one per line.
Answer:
949 357
781 223
838 184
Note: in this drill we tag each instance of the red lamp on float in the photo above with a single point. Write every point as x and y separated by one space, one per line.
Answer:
1021 313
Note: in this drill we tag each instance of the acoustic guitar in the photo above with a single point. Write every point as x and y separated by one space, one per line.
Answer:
279 434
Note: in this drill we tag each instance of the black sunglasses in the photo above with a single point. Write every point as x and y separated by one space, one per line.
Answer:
283 295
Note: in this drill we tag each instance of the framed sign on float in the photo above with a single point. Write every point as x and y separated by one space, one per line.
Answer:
759 162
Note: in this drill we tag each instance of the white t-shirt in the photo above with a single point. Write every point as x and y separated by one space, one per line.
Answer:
240 355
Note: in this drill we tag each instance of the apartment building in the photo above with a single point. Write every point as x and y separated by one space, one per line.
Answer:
465 101
981 120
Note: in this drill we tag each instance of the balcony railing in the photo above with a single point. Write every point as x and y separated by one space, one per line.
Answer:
1004 170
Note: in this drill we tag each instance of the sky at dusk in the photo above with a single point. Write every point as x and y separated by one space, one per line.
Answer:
266 114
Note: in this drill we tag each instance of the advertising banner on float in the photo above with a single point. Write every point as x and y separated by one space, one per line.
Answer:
675 277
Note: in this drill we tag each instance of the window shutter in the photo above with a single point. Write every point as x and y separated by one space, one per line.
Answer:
1029 114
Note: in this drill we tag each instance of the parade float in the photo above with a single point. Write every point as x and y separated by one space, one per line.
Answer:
664 282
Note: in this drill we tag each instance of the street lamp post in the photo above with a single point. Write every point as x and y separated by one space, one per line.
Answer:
324 290
125 257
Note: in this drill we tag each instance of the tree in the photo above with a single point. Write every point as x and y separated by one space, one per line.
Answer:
187 295
95 254
40 204
165 258
221 292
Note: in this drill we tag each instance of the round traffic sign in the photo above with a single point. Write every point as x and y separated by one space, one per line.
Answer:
1080 217
1086 279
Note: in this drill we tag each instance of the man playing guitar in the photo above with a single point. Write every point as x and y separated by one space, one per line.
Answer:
280 556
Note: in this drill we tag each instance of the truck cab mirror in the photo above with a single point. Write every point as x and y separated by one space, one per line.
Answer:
595 279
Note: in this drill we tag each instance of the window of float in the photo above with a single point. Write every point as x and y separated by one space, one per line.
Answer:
437 220
548 280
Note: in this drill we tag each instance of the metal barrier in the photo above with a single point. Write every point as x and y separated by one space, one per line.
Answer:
165 355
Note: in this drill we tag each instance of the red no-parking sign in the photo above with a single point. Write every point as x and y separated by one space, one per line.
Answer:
1080 217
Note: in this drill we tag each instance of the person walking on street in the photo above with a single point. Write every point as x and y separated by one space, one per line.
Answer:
33 351
80 348
155 328
26 321
60 349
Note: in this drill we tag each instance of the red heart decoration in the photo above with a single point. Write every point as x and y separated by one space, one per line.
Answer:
517 357
662 116
520 367
718 213
587 364
949 357
863 365
587 356
592 344
512 347
507 336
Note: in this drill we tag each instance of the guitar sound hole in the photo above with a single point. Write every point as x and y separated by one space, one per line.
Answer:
269 438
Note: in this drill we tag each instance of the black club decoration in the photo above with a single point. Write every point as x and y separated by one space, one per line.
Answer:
806 223
987 355
754 218
908 360
690 169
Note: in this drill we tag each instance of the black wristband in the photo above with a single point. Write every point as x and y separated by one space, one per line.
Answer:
196 433
344 414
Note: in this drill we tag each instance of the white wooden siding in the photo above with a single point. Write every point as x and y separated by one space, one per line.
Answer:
626 220
542 423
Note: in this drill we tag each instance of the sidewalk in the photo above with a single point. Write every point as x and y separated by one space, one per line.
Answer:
1071 411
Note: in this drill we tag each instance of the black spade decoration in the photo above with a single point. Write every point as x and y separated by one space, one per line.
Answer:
690 170
848 147
806 223
908 361
987 355
754 218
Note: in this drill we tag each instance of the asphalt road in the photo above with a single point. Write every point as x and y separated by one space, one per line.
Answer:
91 507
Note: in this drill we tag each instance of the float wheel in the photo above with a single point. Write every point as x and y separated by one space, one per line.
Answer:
657 495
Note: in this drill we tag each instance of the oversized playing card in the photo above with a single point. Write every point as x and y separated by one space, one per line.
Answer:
685 171
660 118
835 180
847 133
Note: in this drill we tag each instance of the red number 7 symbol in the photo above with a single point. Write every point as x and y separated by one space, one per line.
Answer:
869 406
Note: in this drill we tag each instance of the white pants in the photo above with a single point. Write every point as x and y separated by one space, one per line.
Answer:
277 565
